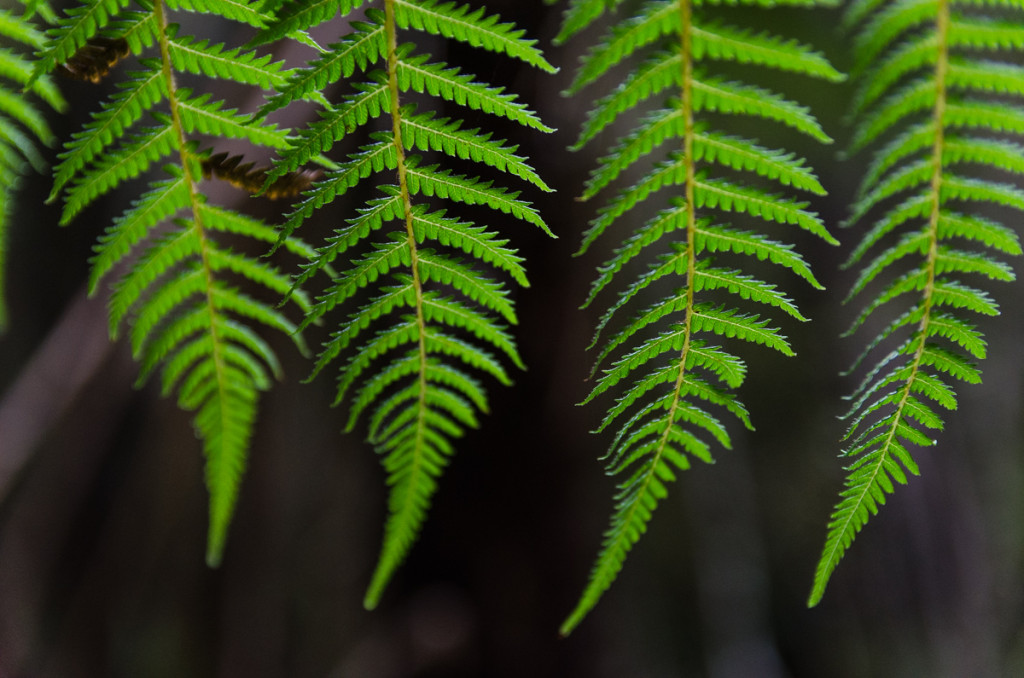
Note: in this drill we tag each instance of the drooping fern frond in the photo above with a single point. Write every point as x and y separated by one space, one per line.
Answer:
192 303
22 125
940 88
672 376
425 315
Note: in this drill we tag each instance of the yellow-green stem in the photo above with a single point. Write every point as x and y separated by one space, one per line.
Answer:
385 566
938 113
942 20
213 554
592 593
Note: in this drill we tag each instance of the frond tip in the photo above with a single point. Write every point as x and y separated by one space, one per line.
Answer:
675 381
935 112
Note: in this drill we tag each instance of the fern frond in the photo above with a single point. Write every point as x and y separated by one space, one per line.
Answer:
181 292
422 312
660 358
12 107
651 22
471 191
937 114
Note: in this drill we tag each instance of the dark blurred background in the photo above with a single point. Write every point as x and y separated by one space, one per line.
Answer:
103 513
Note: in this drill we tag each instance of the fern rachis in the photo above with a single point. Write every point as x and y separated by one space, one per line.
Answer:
918 184
423 319
674 372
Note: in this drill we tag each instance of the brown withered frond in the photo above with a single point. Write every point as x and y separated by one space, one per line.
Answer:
250 178
95 59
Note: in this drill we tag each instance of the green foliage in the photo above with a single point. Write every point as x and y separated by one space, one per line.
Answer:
191 302
936 109
22 126
422 320
417 295
675 376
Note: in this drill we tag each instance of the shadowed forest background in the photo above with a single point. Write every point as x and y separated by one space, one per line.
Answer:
103 508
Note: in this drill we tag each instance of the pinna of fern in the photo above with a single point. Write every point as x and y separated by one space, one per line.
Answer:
22 125
426 313
664 359
939 92
192 303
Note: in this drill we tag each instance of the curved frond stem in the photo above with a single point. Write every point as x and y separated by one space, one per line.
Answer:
863 492
622 537
393 550
220 506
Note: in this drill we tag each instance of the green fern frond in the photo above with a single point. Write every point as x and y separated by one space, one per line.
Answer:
661 353
421 317
183 294
938 113
22 125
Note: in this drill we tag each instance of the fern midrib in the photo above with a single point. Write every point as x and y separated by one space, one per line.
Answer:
173 102
942 21
602 574
686 102
416 467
